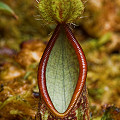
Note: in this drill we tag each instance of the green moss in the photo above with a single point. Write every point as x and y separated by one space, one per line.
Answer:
111 113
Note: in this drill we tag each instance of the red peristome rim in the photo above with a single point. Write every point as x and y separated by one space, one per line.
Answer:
42 71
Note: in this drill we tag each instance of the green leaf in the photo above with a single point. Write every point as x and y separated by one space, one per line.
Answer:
76 10
62 73
54 11
45 11
104 39
6 8
27 74
60 9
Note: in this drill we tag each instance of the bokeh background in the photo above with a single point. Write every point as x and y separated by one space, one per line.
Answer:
23 40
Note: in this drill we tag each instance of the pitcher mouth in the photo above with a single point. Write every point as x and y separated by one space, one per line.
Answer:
44 93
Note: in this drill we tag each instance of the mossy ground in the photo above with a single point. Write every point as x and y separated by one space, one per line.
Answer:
19 62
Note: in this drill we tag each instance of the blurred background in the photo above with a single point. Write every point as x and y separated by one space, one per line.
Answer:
23 38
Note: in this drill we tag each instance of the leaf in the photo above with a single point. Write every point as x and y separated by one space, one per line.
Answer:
62 73
27 74
45 12
76 10
60 9
104 39
6 8
54 11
